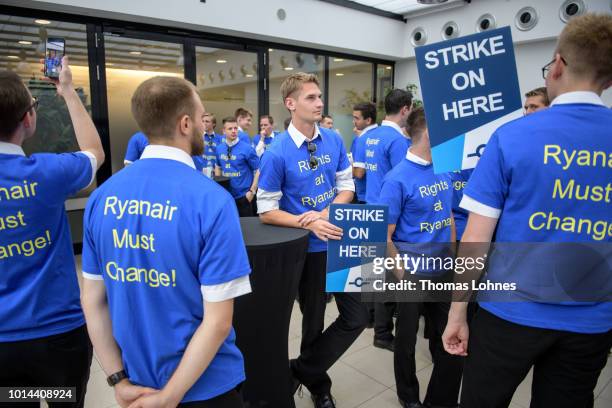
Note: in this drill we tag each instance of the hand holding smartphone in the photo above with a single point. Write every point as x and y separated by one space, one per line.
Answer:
54 52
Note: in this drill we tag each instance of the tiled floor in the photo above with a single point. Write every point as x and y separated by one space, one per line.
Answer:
362 378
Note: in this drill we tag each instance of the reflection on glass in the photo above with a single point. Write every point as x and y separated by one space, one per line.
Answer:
384 83
350 82
129 62
227 80
282 64
22 46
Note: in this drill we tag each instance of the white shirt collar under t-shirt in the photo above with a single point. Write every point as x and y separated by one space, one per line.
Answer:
10 148
578 97
416 159
393 125
167 152
298 137
232 144
367 129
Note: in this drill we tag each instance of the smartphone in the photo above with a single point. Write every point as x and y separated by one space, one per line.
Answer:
54 51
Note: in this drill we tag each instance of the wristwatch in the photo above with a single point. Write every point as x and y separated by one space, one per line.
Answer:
115 378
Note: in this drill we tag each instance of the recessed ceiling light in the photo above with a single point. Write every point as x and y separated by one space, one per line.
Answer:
109 64
270 49
23 42
387 67
221 61
338 59
43 22
249 75
136 52
288 68
12 57
339 74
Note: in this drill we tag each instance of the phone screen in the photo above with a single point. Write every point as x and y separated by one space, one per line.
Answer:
53 56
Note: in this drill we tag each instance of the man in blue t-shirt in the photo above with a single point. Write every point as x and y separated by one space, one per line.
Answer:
135 147
266 135
158 295
420 212
386 145
211 141
240 164
43 338
244 118
364 119
302 173
530 184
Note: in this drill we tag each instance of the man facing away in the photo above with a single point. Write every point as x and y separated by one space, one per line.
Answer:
157 295
43 338
514 193
302 173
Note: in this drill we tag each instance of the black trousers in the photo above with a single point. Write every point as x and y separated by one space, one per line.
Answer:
320 349
246 208
566 365
230 399
61 360
445 381
383 320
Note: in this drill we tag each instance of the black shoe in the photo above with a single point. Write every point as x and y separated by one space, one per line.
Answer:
296 385
323 400
385 344
411 404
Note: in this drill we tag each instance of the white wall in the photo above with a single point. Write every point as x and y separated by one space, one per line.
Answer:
533 49
310 23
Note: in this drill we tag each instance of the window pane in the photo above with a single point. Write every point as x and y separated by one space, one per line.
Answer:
227 80
384 81
350 82
129 62
22 46
282 64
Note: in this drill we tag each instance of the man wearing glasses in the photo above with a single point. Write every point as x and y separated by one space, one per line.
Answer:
302 173
43 338
514 193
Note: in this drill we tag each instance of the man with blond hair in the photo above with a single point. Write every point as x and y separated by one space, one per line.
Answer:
302 173
513 193
157 296
536 99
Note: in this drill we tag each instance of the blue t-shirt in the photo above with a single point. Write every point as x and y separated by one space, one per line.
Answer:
460 179
420 202
267 140
385 147
358 152
157 245
210 149
39 292
244 137
533 170
136 146
285 168
240 167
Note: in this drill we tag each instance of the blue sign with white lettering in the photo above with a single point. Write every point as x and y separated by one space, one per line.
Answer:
470 88
364 229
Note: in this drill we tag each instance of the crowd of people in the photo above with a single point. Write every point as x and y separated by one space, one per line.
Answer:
163 256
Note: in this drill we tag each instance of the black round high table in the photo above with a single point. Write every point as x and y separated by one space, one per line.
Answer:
261 318
222 181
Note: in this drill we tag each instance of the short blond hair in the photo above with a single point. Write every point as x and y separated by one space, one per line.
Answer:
294 82
586 44
159 102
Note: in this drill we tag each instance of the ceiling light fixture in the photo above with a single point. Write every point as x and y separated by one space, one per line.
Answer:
338 59
43 22
221 61
339 74
23 42
136 52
